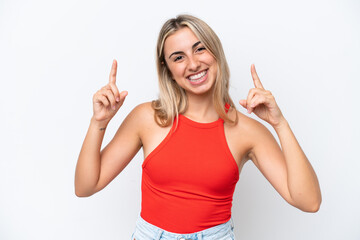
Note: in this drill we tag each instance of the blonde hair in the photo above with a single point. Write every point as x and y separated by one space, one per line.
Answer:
172 98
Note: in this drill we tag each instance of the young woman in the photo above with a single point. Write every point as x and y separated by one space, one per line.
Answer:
194 140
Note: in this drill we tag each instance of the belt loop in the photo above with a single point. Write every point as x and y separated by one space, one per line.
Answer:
160 232
199 236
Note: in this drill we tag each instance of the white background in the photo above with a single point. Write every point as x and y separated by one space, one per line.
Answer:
54 55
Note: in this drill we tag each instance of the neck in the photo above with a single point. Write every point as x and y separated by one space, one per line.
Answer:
201 108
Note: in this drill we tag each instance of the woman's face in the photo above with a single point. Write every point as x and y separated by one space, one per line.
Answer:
190 63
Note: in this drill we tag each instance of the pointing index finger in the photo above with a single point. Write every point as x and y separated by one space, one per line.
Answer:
255 77
112 77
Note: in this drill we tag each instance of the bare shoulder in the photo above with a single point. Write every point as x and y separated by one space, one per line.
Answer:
142 110
141 115
244 124
243 136
134 122
247 125
147 128
261 141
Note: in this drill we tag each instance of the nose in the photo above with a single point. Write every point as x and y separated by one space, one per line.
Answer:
193 64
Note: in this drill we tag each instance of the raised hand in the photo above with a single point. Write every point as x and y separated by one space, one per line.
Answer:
108 100
262 102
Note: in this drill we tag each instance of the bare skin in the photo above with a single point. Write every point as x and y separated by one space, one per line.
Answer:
286 167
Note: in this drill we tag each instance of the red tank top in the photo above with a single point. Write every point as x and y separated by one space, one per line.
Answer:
188 180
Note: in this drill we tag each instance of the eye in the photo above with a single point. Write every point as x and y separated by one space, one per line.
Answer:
178 58
200 49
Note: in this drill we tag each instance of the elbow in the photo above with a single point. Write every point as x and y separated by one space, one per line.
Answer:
309 206
316 206
312 208
85 190
81 193
309 203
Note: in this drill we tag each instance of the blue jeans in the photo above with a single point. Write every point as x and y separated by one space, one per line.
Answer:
147 231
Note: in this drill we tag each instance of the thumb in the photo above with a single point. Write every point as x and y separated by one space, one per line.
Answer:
243 103
123 95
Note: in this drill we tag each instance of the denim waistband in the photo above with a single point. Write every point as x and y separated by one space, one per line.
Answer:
146 230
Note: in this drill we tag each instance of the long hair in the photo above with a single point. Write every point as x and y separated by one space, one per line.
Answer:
172 98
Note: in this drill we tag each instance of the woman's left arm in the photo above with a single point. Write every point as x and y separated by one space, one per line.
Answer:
301 180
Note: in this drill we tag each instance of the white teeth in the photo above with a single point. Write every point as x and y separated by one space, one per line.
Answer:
197 76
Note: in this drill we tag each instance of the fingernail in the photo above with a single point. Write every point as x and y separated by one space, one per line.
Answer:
117 99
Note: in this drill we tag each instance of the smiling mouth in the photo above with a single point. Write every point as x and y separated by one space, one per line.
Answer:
197 78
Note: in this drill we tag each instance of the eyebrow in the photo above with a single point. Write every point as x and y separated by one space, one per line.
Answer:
193 46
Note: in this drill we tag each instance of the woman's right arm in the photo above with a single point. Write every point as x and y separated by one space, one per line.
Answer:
95 169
